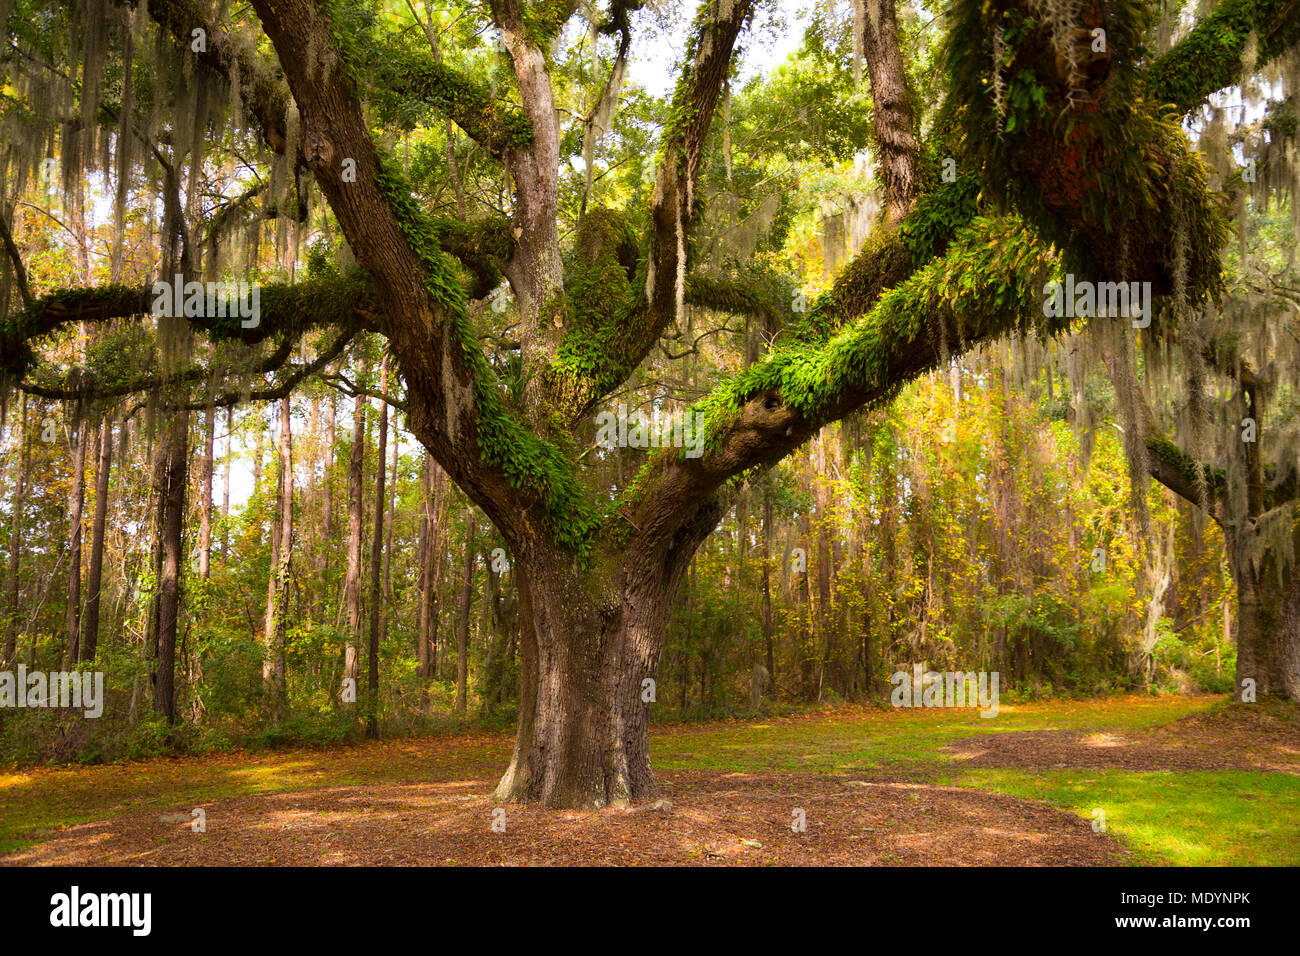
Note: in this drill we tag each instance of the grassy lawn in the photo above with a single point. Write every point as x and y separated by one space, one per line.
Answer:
851 739
1220 818
1185 817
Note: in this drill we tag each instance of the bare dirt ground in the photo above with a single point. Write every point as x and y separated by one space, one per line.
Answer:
1239 739
708 819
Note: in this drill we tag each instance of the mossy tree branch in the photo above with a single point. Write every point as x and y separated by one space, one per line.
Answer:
404 76
287 313
1211 57
601 349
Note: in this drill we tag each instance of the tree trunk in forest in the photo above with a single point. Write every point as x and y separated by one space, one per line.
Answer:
95 572
205 492
16 539
684 654
590 634
269 615
862 564
327 496
76 504
435 514
1267 625
170 480
376 565
352 583
258 450
388 536
275 635
392 521
492 629
895 118
825 562
808 637
767 584
1268 589
225 487
462 627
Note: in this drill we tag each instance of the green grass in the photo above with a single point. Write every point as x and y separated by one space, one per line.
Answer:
850 739
1188 818
1196 818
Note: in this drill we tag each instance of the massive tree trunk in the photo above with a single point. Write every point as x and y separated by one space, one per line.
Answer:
95 571
589 640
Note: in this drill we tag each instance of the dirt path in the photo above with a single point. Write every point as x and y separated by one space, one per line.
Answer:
709 819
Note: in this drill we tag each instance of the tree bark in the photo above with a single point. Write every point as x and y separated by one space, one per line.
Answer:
376 565
1267 624
170 476
16 539
205 491
895 117
435 515
274 672
767 584
327 496
587 642
825 562
388 536
352 583
462 628
76 504
95 572
225 487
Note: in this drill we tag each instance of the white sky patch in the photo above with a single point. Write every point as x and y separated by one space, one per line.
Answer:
656 54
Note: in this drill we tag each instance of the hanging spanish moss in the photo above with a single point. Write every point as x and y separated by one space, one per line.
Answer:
131 25
1063 19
